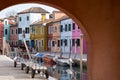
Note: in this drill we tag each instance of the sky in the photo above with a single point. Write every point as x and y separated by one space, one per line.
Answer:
20 7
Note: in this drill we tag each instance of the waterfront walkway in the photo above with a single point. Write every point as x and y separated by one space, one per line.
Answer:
8 72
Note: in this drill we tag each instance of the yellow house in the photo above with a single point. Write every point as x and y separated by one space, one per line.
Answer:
39 34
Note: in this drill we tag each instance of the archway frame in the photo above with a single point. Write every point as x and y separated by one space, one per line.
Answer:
81 25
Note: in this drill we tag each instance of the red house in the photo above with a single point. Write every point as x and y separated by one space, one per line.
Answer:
14 33
1 33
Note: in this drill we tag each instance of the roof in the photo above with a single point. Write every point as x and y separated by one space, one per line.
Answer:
57 12
34 10
62 18
11 22
14 25
50 20
41 22
1 20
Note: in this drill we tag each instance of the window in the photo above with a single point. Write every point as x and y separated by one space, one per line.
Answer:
19 30
20 19
16 42
65 42
20 42
26 30
61 28
66 27
51 16
32 30
61 42
78 27
12 42
49 42
27 18
36 30
78 42
53 43
73 26
55 29
42 42
42 30
27 42
6 31
5 22
58 43
52 29
16 31
69 27
12 31
73 42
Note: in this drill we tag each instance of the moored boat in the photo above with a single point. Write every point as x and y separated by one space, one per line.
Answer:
48 59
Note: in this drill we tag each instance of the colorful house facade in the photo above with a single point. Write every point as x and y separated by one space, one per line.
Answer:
1 33
14 35
76 32
55 40
54 31
7 29
7 23
26 18
66 34
49 36
39 35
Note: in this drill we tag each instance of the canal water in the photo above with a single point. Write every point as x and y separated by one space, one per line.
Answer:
64 72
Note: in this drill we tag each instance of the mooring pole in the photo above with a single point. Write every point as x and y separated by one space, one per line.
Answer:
81 54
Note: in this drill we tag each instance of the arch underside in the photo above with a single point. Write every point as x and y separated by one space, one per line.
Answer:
99 21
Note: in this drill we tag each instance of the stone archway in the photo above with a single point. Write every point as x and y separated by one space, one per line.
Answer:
101 28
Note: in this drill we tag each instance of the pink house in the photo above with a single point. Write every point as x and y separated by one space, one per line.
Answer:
76 32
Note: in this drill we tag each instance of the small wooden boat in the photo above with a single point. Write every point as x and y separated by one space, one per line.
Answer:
48 59
63 61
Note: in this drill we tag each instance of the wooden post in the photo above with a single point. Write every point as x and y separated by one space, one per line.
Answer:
27 49
81 54
3 49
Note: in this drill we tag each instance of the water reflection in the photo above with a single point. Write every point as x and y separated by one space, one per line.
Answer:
64 72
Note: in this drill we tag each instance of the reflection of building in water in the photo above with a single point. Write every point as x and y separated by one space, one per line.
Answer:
61 73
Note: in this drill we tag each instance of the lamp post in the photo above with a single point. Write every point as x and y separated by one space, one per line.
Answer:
81 54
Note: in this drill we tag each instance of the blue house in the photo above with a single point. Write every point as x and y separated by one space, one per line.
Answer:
7 23
66 34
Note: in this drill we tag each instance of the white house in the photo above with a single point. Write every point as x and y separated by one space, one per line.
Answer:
66 34
26 18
